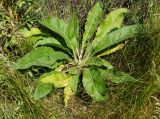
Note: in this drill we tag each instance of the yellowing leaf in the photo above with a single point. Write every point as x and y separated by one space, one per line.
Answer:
33 31
75 79
110 51
58 79
60 68
67 93
74 83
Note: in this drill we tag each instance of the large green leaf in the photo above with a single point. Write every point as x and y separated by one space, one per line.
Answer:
55 24
93 19
57 78
94 84
106 73
73 30
113 20
116 77
59 26
41 90
121 77
41 56
98 62
117 36
50 41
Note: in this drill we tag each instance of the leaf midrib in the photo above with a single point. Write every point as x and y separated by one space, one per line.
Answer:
93 81
88 31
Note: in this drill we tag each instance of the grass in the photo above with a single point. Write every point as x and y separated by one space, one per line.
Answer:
16 101
140 57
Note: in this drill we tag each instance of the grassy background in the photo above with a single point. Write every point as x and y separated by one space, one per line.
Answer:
140 57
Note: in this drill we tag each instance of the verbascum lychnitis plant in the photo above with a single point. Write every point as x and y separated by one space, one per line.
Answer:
72 59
